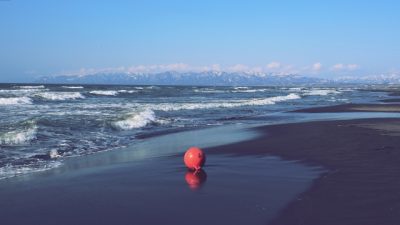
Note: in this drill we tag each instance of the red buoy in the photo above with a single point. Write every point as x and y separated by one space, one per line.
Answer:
194 158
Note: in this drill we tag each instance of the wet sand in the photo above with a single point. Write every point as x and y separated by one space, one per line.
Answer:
148 184
363 161
391 100
353 108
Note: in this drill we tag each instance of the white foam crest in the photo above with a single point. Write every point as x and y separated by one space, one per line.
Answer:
240 88
232 104
249 90
59 96
53 154
152 87
135 120
31 87
295 88
191 105
15 101
127 91
208 90
73 87
21 92
245 91
106 93
273 100
321 92
76 112
18 137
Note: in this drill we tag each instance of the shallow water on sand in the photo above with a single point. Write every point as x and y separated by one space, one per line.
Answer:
231 190
131 186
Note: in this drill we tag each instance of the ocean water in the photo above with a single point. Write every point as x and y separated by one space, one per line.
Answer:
40 125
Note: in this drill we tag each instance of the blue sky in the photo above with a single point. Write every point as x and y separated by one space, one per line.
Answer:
318 38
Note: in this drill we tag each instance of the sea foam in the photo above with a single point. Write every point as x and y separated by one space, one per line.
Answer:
321 92
31 87
18 137
106 93
59 96
249 90
73 87
209 90
241 88
231 104
15 101
135 120
128 91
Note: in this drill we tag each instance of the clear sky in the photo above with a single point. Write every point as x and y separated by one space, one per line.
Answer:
319 38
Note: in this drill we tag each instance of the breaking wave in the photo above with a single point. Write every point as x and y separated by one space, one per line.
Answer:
15 101
21 136
135 120
249 90
73 87
233 104
59 96
31 87
321 92
106 93
293 88
128 91
20 92
209 90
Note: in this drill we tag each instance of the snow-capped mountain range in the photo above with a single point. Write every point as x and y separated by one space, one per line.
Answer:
212 78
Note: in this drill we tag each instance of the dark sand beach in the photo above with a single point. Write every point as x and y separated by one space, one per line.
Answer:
391 100
353 108
362 185
148 184
323 172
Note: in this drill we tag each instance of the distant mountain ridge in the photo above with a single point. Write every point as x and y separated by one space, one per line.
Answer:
187 78
212 78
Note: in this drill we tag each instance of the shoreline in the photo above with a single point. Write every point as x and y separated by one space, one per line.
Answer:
372 107
349 176
132 187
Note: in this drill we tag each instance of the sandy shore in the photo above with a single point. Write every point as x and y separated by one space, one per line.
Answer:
353 108
391 100
363 159
147 183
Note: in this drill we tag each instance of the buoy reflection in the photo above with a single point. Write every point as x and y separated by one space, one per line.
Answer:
195 179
